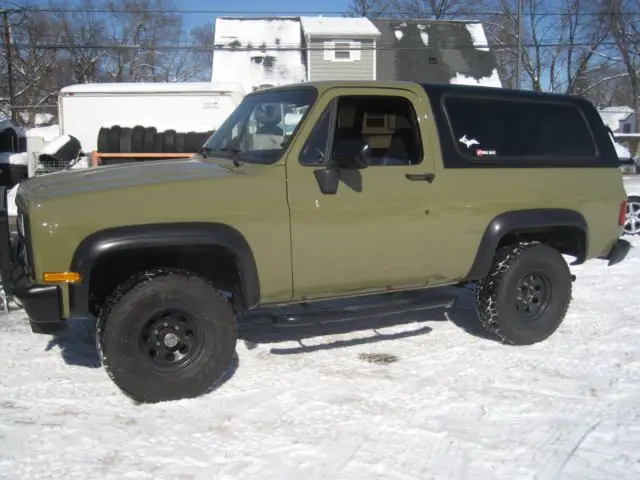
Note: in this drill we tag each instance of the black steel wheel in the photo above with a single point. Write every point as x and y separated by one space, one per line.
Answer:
526 294
165 335
171 340
534 295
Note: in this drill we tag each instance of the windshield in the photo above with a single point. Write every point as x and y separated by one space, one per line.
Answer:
260 127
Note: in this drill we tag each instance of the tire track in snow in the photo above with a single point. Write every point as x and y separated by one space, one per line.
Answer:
563 455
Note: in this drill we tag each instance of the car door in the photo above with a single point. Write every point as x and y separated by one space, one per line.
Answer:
375 232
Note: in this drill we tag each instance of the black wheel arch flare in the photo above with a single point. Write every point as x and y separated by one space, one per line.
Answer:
120 239
522 221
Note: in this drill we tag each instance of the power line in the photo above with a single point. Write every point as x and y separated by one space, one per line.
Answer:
295 47
295 13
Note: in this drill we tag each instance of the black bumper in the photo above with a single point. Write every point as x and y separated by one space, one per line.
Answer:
618 252
42 303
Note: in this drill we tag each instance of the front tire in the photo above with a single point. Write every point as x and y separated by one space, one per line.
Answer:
526 295
165 335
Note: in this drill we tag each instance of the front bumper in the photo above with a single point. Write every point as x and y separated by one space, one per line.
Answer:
618 252
42 303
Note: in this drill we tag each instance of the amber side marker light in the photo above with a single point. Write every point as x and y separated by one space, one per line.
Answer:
62 277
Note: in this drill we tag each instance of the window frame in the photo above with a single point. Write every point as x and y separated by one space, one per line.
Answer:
314 97
331 109
333 115
524 160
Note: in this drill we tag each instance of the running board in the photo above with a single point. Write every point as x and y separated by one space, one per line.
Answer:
376 310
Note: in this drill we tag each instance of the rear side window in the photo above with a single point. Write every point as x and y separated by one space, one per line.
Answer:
513 129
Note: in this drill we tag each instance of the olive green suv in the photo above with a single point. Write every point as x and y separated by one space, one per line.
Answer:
320 191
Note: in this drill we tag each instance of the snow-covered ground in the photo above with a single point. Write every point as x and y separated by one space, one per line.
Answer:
448 403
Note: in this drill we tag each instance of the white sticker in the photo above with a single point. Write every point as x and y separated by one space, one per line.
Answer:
468 142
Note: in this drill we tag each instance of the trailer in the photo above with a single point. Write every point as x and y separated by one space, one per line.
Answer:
136 120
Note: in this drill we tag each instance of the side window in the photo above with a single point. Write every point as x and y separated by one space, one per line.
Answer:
388 123
313 153
510 129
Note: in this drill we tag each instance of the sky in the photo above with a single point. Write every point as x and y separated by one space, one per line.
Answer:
246 7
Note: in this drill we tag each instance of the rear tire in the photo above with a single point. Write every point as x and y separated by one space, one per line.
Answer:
526 295
165 335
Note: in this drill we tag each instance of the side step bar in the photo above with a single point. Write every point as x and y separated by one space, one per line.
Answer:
360 312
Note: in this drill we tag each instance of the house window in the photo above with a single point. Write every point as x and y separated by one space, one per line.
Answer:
342 51
626 128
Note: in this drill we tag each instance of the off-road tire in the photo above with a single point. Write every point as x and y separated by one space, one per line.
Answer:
149 139
158 142
181 142
103 140
125 140
123 347
191 142
114 139
137 139
169 141
496 294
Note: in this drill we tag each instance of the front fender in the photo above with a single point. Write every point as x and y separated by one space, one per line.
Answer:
182 234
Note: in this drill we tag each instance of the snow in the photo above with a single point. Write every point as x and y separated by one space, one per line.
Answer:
13 158
152 87
306 403
622 151
492 81
476 30
12 208
612 116
338 26
43 118
398 34
52 147
45 133
258 58
424 36
81 163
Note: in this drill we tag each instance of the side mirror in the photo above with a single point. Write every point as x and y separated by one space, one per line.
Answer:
351 154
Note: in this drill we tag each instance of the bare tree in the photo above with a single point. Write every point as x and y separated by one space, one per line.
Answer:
202 37
141 37
368 8
36 77
624 23
81 34
560 47
433 9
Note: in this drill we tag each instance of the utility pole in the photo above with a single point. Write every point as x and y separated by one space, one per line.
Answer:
7 46
520 34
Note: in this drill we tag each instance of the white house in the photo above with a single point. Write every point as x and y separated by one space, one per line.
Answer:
620 119
258 52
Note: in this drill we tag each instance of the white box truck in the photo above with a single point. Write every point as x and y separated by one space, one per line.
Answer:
84 109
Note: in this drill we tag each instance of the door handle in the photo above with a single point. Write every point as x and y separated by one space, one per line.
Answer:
420 177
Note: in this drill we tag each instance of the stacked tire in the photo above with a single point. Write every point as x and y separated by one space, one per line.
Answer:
139 139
